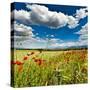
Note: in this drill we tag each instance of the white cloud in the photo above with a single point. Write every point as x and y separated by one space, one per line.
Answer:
22 30
28 6
82 40
24 33
17 39
38 40
55 40
41 15
83 37
81 13
83 33
72 22
84 30
46 40
69 44
21 15
64 44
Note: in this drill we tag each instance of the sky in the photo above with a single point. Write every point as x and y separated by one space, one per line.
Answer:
48 26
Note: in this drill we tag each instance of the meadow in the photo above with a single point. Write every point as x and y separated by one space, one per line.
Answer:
35 68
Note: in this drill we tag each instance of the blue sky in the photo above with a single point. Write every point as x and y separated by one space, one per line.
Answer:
49 26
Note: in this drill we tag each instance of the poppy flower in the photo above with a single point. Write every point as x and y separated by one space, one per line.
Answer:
39 61
13 62
43 61
25 58
19 63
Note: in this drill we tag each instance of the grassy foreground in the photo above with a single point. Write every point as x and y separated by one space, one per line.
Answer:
34 68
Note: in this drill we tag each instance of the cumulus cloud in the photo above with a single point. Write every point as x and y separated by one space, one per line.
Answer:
41 15
84 30
81 13
21 32
21 15
83 33
82 40
28 6
72 22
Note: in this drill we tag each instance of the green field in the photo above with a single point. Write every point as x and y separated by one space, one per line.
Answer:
34 68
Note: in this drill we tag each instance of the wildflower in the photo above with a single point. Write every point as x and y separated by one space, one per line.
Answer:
19 63
39 61
13 62
25 58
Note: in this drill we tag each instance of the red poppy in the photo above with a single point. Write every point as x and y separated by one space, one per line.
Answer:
13 62
39 61
19 63
25 58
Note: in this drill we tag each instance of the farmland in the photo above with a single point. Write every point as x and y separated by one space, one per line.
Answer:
35 68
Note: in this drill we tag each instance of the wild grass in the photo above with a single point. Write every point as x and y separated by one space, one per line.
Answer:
49 68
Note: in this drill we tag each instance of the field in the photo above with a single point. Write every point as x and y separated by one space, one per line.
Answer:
35 68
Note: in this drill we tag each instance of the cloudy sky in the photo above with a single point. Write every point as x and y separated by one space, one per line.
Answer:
48 26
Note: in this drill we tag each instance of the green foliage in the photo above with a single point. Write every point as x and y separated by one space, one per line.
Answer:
60 67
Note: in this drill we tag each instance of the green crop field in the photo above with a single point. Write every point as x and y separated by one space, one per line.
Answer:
35 68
